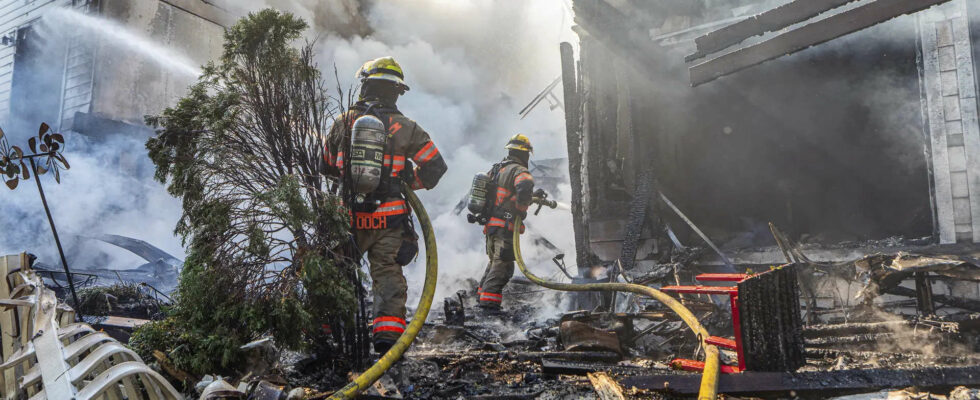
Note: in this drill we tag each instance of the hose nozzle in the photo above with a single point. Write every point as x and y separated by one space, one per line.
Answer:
541 199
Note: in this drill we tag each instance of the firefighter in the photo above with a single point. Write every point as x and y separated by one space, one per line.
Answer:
382 225
515 189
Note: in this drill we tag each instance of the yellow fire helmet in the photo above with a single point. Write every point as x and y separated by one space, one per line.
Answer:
520 142
385 68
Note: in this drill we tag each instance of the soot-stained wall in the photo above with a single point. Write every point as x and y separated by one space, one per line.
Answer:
828 144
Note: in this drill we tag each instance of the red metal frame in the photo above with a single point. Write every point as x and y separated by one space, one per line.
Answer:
698 366
732 293
727 290
722 342
722 277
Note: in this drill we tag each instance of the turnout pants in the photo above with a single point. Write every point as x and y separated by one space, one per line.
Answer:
389 285
500 250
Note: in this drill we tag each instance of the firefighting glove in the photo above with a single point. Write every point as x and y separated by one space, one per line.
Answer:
408 174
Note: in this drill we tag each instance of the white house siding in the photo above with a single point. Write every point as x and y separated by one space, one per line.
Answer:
16 14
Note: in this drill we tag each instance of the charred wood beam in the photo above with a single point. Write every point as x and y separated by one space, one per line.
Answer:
536 356
503 396
769 21
690 224
966 304
822 31
809 382
923 294
564 367
605 387
870 338
854 328
645 186
882 356
573 139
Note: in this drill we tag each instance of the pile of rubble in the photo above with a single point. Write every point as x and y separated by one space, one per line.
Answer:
465 353
854 331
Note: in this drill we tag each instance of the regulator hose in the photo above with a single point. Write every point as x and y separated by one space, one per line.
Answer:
366 379
709 377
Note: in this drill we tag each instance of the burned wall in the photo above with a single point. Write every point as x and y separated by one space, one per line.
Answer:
829 144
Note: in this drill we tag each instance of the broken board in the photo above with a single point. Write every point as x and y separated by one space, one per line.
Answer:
822 31
769 21
820 381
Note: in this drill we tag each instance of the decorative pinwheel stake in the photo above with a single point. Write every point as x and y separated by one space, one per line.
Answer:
12 165
50 144
47 148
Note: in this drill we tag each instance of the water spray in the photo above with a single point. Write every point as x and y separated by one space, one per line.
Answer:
125 38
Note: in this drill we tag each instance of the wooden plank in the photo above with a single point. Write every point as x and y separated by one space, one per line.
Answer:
807 36
564 367
952 301
769 21
967 88
171 370
605 387
817 381
936 116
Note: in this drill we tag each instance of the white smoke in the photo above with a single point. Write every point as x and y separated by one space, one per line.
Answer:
108 190
472 66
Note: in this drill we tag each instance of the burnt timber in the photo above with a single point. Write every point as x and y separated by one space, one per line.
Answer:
822 31
824 381
769 21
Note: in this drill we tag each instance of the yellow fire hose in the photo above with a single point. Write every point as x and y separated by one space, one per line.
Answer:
709 378
379 368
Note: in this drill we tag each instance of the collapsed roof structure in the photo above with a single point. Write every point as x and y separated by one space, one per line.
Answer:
865 138
851 125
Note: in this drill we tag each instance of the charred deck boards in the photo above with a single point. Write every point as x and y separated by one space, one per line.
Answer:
822 381
771 325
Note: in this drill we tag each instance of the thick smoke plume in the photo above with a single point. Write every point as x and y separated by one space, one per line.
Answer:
472 66
109 188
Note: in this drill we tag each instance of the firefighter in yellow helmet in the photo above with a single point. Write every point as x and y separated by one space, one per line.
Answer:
382 223
514 192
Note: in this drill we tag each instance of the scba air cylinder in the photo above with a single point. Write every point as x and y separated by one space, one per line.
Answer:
367 153
478 194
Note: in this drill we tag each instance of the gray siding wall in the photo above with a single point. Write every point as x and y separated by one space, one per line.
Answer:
15 14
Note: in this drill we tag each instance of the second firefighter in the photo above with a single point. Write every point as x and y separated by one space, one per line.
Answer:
514 187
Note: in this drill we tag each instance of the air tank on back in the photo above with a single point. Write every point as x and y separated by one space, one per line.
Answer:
367 153
478 194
